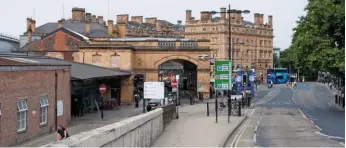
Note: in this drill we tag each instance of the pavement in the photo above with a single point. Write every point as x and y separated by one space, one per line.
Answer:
85 123
195 129
278 120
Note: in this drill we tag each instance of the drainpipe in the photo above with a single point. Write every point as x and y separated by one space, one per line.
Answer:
56 100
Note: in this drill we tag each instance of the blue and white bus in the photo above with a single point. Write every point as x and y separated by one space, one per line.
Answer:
237 81
277 75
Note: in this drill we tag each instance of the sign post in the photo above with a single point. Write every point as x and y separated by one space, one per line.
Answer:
223 79
153 90
102 90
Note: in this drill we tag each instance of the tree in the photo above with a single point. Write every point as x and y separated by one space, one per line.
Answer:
318 42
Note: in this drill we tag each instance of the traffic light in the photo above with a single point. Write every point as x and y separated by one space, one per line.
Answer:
244 80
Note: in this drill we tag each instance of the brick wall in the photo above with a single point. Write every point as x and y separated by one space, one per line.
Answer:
31 85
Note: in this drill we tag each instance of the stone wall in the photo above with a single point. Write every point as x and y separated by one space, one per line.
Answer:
169 114
137 131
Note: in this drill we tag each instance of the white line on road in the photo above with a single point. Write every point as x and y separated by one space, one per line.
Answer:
256 128
238 136
257 122
332 137
312 122
254 137
318 127
302 113
343 144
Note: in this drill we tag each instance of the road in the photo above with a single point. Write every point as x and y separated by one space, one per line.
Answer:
278 120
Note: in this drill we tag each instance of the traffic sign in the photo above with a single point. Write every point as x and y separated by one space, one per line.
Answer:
174 83
223 75
102 88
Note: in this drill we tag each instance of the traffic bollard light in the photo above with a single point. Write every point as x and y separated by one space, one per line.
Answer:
207 108
248 102
239 108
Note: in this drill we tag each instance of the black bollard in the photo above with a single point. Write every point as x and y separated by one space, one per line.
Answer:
216 109
242 102
339 100
207 108
239 108
229 109
336 98
343 102
248 102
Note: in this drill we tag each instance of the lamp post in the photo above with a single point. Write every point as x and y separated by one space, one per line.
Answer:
230 55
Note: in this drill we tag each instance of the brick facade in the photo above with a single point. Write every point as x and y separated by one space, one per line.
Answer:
30 85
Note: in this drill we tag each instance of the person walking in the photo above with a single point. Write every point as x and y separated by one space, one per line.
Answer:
137 100
62 133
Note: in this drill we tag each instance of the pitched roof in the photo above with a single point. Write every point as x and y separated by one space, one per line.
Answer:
78 70
78 27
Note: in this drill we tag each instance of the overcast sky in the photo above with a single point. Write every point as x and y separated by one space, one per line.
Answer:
13 13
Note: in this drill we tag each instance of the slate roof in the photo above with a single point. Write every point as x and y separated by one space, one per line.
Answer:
75 26
78 70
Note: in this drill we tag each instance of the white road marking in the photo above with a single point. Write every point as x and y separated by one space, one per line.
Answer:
332 137
254 137
236 139
256 128
312 93
312 122
343 144
302 113
257 122
318 127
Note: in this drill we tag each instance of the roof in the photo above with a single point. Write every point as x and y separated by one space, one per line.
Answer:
150 38
78 70
78 27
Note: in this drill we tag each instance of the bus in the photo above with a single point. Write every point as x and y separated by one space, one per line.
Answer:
237 81
277 75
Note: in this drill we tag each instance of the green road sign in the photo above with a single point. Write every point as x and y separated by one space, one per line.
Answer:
223 75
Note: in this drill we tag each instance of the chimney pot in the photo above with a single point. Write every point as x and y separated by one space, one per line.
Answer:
33 25
188 15
223 13
122 18
110 27
137 19
87 26
60 22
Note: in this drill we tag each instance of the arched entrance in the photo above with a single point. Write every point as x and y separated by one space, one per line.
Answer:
187 72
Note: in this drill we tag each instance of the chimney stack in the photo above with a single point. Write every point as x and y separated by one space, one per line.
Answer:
137 19
256 20
233 13
93 19
88 16
33 26
110 27
204 16
28 23
270 20
122 18
87 26
261 19
60 22
179 22
151 20
100 19
29 32
223 13
188 15
238 15
78 14
158 25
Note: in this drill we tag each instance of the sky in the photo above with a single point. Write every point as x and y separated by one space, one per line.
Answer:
285 12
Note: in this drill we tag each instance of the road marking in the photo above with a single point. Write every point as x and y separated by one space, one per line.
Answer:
238 136
302 113
312 122
318 127
343 144
258 122
312 93
256 128
254 137
332 137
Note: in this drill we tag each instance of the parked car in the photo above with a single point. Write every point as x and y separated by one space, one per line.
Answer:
154 103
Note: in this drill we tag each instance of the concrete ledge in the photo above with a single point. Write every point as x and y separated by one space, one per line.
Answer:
137 131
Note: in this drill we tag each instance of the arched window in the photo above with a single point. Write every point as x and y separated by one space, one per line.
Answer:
96 59
115 61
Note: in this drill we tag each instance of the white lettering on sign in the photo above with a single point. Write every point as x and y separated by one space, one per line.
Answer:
223 77
102 88
222 86
222 68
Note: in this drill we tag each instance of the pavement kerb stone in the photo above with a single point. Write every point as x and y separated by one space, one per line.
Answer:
231 133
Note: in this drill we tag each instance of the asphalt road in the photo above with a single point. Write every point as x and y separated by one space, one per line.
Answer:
278 121
317 103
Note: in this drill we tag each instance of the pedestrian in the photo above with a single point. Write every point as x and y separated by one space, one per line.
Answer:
101 109
62 133
137 100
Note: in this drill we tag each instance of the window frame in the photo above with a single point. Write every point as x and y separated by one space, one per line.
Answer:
22 108
44 105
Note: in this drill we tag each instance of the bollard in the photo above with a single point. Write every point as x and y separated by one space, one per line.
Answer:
242 102
239 108
229 109
216 109
248 102
343 102
336 98
207 108
339 100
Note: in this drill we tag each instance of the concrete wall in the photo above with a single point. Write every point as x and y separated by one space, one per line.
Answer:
137 131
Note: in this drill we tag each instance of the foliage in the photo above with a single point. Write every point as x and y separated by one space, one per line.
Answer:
318 42
275 60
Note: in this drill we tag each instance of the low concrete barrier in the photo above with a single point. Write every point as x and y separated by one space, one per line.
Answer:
137 131
169 114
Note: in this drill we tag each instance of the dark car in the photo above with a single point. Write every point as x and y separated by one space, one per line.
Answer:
154 103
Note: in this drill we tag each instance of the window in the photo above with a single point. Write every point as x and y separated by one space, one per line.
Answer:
204 29
251 42
265 42
44 109
21 115
96 59
261 42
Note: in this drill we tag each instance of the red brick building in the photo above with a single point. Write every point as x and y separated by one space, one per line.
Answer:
30 94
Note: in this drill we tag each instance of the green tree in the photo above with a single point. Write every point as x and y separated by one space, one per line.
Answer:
318 41
275 60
